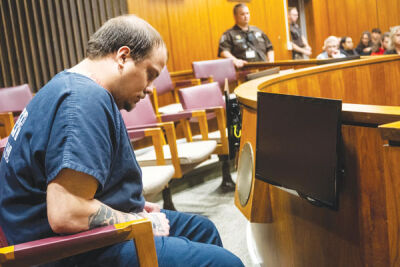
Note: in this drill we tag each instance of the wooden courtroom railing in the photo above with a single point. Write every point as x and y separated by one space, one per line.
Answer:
364 231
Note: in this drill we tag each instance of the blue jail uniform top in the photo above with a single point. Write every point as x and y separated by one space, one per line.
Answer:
73 123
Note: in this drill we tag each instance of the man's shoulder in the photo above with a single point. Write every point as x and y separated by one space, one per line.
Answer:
255 29
70 86
233 30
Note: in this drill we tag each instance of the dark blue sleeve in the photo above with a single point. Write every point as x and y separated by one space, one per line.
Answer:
82 137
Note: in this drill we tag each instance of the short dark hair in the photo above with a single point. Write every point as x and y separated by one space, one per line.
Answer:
342 41
237 6
376 30
127 30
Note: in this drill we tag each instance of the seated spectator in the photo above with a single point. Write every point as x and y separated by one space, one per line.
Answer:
376 48
331 47
364 47
386 40
376 35
347 46
394 41
384 45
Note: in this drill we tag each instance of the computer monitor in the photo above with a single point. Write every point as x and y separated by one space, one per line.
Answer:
298 145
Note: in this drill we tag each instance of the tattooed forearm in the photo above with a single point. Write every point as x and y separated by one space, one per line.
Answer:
107 216
102 217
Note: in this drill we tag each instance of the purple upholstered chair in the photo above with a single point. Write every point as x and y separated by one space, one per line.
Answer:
184 156
55 248
219 69
58 247
209 97
15 99
164 86
12 101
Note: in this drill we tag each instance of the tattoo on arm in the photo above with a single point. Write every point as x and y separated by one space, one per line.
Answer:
102 217
107 216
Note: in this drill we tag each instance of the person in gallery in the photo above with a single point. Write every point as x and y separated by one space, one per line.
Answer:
243 42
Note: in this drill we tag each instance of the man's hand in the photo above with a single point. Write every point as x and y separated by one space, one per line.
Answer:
239 63
151 207
159 222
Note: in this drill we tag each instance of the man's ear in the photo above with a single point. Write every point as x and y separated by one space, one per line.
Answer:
122 55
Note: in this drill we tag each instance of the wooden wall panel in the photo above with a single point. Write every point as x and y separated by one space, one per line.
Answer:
192 28
221 19
190 32
155 12
388 14
275 27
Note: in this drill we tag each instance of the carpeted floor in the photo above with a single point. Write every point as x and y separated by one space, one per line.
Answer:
199 193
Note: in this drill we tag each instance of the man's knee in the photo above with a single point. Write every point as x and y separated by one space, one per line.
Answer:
207 231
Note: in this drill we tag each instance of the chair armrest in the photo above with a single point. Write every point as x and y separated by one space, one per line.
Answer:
176 116
200 114
3 143
221 122
55 248
7 121
169 129
186 83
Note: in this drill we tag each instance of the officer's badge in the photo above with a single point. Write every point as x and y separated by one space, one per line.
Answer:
238 37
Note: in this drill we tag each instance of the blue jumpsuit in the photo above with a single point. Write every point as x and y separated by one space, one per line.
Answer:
74 123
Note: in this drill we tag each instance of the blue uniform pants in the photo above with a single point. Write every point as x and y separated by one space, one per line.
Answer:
193 241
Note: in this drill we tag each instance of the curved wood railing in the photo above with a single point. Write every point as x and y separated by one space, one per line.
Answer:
364 231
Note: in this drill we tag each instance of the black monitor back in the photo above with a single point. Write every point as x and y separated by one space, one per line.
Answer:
298 145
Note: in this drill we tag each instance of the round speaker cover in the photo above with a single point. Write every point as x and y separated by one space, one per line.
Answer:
245 173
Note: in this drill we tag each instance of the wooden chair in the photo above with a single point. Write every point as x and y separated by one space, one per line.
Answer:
218 70
59 247
155 178
184 156
12 101
6 123
55 248
209 97
164 86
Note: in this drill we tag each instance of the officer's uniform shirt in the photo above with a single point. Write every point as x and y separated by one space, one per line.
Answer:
251 45
295 33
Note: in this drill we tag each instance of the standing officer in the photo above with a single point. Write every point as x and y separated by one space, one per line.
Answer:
244 43
301 48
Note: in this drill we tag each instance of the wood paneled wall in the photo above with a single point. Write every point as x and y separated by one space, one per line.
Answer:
348 18
39 38
192 28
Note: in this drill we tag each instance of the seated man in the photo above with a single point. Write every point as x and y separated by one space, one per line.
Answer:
331 47
244 43
69 165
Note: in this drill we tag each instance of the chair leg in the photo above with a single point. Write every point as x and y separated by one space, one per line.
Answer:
167 198
227 182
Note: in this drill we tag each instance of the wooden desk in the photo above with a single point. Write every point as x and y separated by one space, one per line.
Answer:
365 229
